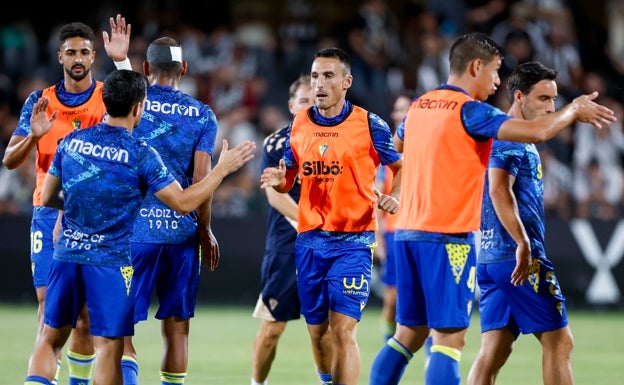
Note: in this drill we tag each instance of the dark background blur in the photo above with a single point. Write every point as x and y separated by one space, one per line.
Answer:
244 54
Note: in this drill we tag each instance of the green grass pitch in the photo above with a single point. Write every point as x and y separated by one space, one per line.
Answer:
221 340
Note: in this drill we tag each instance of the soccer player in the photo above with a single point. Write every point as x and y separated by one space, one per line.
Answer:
446 140
98 176
77 103
385 236
165 244
512 240
278 301
336 148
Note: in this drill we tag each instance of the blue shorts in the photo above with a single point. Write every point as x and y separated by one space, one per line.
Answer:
173 270
537 306
333 279
435 283
279 285
105 289
41 245
388 276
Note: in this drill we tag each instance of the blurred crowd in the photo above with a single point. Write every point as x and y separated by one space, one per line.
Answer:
242 62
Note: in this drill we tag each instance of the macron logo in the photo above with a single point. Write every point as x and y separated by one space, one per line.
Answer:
98 151
170 109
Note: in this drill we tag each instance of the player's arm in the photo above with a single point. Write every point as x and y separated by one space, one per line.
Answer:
398 143
380 251
186 200
283 203
506 207
17 150
20 147
208 244
540 129
390 202
396 168
51 192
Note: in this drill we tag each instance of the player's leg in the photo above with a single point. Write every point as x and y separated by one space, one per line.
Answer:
42 365
143 282
496 347
107 368
264 349
314 307
129 363
388 309
388 312
63 296
175 357
499 329
177 285
321 341
557 348
449 288
277 304
265 342
80 351
348 280
412 330
41 256
111 315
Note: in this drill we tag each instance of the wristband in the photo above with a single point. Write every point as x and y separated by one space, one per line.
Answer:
123 65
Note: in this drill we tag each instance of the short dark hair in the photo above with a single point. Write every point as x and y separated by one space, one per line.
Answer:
472 46
526 75
122 90
294 86
336 53
160 58
76 29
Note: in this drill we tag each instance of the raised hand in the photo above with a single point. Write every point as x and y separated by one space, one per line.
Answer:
232 160
118 44
591 112
40 124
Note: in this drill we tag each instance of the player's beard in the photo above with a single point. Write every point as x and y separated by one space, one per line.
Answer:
78 77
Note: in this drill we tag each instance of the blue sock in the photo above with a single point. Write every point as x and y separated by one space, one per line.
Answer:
443 368
326 378
390 363
129 370
34 380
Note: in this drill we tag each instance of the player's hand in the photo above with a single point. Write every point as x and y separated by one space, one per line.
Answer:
118 44
232 160
593 113
386 202
523 264
209 248
273 176
40 124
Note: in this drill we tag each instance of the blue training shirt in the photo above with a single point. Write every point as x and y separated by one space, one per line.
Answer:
522 161
104 173
176 125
